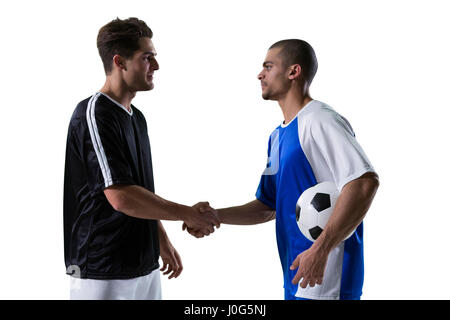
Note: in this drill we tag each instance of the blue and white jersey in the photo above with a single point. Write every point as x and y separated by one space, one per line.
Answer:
317 145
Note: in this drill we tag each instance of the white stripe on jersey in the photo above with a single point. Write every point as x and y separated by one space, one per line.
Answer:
96 141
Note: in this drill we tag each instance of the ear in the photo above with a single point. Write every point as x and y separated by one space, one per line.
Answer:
294 72
119 62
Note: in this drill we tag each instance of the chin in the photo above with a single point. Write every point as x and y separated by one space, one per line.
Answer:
148 87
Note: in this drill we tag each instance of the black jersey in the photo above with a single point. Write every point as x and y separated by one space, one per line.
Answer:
107 145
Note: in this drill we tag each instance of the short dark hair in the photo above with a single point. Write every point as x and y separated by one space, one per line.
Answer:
120 37
295 51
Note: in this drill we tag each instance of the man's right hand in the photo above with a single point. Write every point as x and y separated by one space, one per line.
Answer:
201 219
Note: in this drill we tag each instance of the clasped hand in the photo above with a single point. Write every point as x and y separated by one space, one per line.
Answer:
203 220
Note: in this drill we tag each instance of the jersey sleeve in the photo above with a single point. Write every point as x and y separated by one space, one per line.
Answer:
336 142
105 152
266 192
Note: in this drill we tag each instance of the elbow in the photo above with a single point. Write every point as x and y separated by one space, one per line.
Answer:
271 216
266 216
374 183
119 205
370 186
117 199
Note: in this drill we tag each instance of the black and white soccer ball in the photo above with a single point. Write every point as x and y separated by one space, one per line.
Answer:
314 207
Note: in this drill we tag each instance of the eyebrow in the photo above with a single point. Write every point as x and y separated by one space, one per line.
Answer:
150 53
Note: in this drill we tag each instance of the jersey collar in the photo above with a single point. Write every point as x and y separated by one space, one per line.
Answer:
118 104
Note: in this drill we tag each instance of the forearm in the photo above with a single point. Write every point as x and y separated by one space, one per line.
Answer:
141 203
162 235
351 207
254 212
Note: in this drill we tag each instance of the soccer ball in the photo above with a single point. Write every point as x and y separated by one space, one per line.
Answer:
314 208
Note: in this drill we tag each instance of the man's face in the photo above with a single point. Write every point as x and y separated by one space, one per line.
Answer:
140 68
273 77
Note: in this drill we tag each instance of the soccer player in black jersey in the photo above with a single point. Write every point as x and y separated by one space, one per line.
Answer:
112 234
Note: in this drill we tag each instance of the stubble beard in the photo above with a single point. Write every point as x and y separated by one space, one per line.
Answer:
266 95
146 86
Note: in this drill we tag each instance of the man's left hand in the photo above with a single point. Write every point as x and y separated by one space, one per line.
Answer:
172 264
311 267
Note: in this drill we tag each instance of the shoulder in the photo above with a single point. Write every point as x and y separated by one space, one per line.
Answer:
94 113
319 115
78 118
80 109
101 111
101 106
317 111
96 103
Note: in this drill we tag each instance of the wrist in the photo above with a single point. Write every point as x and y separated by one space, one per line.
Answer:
220 214
322 245
183 213
162 235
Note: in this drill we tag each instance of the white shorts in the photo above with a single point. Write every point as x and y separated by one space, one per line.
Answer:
142 288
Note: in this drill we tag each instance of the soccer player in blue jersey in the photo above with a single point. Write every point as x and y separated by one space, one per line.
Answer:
313 144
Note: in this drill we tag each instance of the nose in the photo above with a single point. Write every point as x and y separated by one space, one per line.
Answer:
154 65
260 76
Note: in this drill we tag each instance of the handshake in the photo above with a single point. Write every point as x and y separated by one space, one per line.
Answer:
201 219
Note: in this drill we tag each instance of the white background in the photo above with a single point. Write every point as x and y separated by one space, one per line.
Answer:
384 65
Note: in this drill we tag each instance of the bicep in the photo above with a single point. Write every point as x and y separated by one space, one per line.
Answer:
260 206
343 155
104 153
367 184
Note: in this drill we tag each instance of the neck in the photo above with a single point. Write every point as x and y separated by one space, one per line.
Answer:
292 103
118 91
